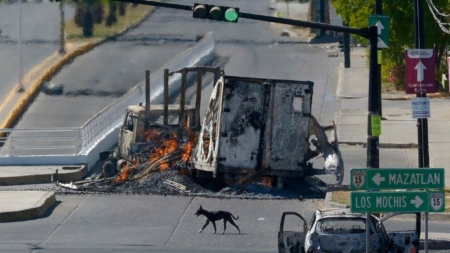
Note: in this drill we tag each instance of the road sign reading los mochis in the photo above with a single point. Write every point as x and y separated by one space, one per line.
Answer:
398 201
396 178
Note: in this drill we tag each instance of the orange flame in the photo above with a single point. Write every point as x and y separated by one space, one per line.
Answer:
170 145
267 181
124 172
187 149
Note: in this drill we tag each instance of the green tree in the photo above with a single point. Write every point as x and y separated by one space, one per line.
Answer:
122 8
111 19
356 13
88 13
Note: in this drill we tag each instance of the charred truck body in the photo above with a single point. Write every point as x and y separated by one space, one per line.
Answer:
251 127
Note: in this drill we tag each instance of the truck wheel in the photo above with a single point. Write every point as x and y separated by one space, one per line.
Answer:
109 169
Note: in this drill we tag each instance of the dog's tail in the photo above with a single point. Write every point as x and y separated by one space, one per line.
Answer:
236 218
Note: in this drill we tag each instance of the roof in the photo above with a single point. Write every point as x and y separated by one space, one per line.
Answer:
158 109
340 212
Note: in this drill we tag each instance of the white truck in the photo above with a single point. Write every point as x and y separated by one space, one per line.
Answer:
251 127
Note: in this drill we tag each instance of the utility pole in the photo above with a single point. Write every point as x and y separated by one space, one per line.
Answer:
373 143
422 123
379 12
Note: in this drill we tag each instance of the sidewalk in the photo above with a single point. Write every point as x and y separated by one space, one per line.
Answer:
26 205
398 128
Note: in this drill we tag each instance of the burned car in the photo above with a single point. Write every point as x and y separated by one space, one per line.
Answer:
339 230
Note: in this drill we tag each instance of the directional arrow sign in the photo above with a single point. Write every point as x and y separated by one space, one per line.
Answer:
397 178
402 201
383 25
420 71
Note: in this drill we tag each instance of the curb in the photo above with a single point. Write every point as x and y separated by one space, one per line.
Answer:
409 97
382 145
21 105
37 211
79 173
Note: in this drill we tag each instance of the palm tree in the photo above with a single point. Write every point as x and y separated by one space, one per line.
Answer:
62 42
122 8
88 13
111 19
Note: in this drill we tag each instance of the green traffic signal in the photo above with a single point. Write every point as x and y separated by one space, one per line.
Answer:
217 13
231 15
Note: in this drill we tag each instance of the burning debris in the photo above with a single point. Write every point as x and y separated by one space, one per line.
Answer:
257 138
172 181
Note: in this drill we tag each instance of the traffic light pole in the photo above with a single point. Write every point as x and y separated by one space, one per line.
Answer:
364 32
422 123
379 11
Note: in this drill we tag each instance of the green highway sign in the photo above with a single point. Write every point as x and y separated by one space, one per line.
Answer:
398 201
383 24
397 178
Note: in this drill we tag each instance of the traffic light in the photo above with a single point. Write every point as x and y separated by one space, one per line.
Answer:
214 12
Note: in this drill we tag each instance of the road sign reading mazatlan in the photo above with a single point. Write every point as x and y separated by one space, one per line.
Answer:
408 178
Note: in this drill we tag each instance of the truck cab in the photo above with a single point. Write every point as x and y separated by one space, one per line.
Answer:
137 128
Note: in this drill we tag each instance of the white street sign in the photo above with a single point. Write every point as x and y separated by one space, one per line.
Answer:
420 107
417 201
377 179
420 71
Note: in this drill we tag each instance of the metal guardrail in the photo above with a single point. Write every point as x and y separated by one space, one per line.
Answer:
39 141
81 140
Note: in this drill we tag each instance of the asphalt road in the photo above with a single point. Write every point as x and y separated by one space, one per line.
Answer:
119 223
40 38
252 49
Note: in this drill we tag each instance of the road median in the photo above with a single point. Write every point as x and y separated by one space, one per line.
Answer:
33 87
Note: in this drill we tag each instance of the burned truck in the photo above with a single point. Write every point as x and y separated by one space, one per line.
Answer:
251 127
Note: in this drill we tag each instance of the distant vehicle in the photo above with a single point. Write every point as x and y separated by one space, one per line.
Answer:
53 88
339 230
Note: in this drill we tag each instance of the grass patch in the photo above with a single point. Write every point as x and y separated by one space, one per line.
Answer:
343 197
279 14
132 16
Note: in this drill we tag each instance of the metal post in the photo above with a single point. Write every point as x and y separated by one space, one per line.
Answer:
379 11
374 97
321 15
21 88
374 94
166 97
147 95
182 97
198 97
346 50
367 232
422 123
